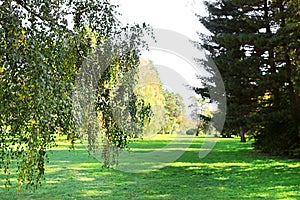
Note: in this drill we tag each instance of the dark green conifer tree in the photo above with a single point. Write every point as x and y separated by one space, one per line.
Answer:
254 45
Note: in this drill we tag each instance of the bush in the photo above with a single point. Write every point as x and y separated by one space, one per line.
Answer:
191 131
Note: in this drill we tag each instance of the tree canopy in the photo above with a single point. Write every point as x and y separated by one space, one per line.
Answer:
44 44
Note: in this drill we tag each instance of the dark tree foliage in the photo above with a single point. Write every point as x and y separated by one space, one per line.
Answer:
255 45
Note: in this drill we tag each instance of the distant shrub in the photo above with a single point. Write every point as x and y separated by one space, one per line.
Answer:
191 131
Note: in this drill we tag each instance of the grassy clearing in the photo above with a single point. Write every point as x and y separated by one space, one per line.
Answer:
231 171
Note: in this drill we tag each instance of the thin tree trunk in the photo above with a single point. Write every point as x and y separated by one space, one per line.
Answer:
242 134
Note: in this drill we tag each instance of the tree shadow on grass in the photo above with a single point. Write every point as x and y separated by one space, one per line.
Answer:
231 171
234 170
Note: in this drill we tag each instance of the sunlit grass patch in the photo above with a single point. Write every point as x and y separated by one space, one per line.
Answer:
231 171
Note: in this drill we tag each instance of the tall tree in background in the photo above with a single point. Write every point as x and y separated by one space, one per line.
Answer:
150 89
174 112
201 115
254 46
167 108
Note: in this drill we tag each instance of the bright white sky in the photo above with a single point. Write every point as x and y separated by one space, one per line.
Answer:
174 15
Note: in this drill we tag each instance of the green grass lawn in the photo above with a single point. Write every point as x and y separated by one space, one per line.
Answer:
231 171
